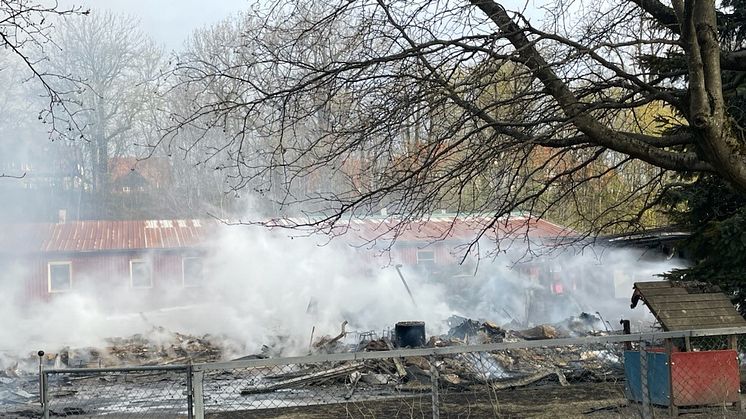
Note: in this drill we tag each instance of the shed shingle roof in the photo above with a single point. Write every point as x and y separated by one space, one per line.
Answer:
677 308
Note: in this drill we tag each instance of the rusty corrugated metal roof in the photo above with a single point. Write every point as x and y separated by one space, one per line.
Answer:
458 229
93 236
107 235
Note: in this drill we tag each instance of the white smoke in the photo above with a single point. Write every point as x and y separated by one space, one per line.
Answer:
262 286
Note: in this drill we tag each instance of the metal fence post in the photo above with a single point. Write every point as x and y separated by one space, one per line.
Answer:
646 412
41 379
198 394
45 394
189 394
435 388
672 409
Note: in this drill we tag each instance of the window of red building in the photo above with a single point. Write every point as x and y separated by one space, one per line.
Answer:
193 272
141 275
59 276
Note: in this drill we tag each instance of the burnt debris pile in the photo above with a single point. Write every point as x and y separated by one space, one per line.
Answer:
172 348
159 347
17 389
503 369
512 367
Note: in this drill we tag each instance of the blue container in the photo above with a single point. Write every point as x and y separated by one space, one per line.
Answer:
658 377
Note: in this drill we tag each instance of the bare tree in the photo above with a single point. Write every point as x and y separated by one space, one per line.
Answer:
468 107
18 114
116 67
25 33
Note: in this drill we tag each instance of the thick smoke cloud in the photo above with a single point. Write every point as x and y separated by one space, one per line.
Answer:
265 288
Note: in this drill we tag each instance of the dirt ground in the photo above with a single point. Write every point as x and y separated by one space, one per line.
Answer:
588 401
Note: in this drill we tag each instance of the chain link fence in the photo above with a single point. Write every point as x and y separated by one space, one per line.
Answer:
137 392
617 376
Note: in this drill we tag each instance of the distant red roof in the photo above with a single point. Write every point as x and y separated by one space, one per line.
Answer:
446 227
94 236
154 170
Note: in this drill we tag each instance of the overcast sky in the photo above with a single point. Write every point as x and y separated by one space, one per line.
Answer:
169 22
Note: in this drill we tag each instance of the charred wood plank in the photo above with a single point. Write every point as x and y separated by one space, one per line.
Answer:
296 381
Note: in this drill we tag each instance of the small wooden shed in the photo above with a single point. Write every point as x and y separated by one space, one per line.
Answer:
699 373
687 306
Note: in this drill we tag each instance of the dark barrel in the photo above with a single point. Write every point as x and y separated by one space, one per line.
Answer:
410 334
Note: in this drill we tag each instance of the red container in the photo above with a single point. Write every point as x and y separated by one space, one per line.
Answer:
705 378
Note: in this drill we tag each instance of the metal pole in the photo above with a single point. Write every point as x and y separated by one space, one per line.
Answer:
435 388
646 412
41 378
411 297
43 387
45 394
199 397
190 401
672 409
626 330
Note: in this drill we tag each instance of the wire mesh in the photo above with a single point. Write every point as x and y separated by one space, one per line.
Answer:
522 382
152 393
369 388
19 396
705 373
603 377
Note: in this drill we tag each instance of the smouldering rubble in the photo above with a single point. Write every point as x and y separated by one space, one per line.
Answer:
501 369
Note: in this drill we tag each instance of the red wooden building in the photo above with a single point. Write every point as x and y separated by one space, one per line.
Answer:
140 258
149 259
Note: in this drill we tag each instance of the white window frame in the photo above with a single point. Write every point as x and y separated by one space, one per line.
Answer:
49 276
132 278
421 260
183 272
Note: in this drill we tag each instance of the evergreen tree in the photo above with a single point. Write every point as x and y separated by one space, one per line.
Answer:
713 210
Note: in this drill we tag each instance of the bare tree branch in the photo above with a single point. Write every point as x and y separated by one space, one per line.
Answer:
333 110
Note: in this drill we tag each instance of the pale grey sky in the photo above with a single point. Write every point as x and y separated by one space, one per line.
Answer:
168 22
